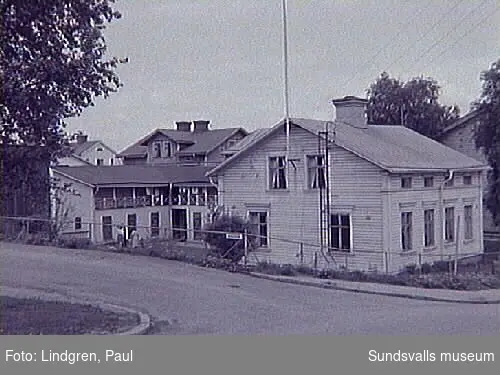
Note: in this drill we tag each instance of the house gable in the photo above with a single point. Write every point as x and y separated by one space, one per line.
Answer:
460 137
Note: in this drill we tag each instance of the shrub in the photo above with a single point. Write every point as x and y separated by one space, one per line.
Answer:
441 266
287 270
426 268
74 243
223 247
411 269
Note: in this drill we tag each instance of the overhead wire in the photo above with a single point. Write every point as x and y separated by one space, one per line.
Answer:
391 42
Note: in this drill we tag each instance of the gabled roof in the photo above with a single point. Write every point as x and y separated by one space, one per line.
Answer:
201 142
135 174
79 148
394 148
459 122
247 140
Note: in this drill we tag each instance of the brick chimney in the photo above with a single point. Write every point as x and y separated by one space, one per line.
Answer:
200 126
351 110
81 138
183 126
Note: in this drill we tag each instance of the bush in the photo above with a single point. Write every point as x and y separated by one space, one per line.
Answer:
74 243
215 236
426 268
441 266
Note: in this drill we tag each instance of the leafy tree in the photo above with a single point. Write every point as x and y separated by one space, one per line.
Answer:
487 135
414 104
52 66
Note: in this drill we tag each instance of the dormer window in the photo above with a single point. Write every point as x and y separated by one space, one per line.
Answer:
157 149
167 149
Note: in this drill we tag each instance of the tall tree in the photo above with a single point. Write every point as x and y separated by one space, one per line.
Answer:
487 135
52 66
414 104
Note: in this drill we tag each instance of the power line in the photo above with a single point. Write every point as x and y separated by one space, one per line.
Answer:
429 30
382 49
461 37
434 45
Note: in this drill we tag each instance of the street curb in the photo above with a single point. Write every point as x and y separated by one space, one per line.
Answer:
145 321
388 294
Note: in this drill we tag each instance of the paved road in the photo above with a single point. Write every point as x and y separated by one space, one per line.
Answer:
207 301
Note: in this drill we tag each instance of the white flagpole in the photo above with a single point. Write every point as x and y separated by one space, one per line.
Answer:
285 79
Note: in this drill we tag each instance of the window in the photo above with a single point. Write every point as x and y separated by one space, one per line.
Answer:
449 224
157 149
167 149
100 161
111 161
78 223
428 181
450 183
99 149
340 232
277 172
258 227
467 180
155 224
406 182
197 225
107 228
468 230
406 231
316 172
429 228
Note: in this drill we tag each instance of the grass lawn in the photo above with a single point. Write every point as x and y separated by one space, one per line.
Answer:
32 316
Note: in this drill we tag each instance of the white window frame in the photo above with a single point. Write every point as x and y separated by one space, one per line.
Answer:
151 224
251 211
154 150
97 161
316 168
272 176
431 178
403 224
406 178
445 226
330 227
432 227
78 222
164 153
468 222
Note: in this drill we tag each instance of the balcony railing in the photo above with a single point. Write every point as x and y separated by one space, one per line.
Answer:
152 201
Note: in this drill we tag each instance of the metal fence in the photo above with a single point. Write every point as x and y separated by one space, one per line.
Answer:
284 251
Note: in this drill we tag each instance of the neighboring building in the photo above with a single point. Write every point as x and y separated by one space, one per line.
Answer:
189 143
85 152
160 189
460 136
157 201
375 198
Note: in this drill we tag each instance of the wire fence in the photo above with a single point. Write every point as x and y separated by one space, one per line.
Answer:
258 248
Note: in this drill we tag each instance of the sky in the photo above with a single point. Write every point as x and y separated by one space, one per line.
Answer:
222 60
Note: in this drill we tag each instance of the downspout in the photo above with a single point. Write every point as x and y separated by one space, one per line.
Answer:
214 184
93 224
441 211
